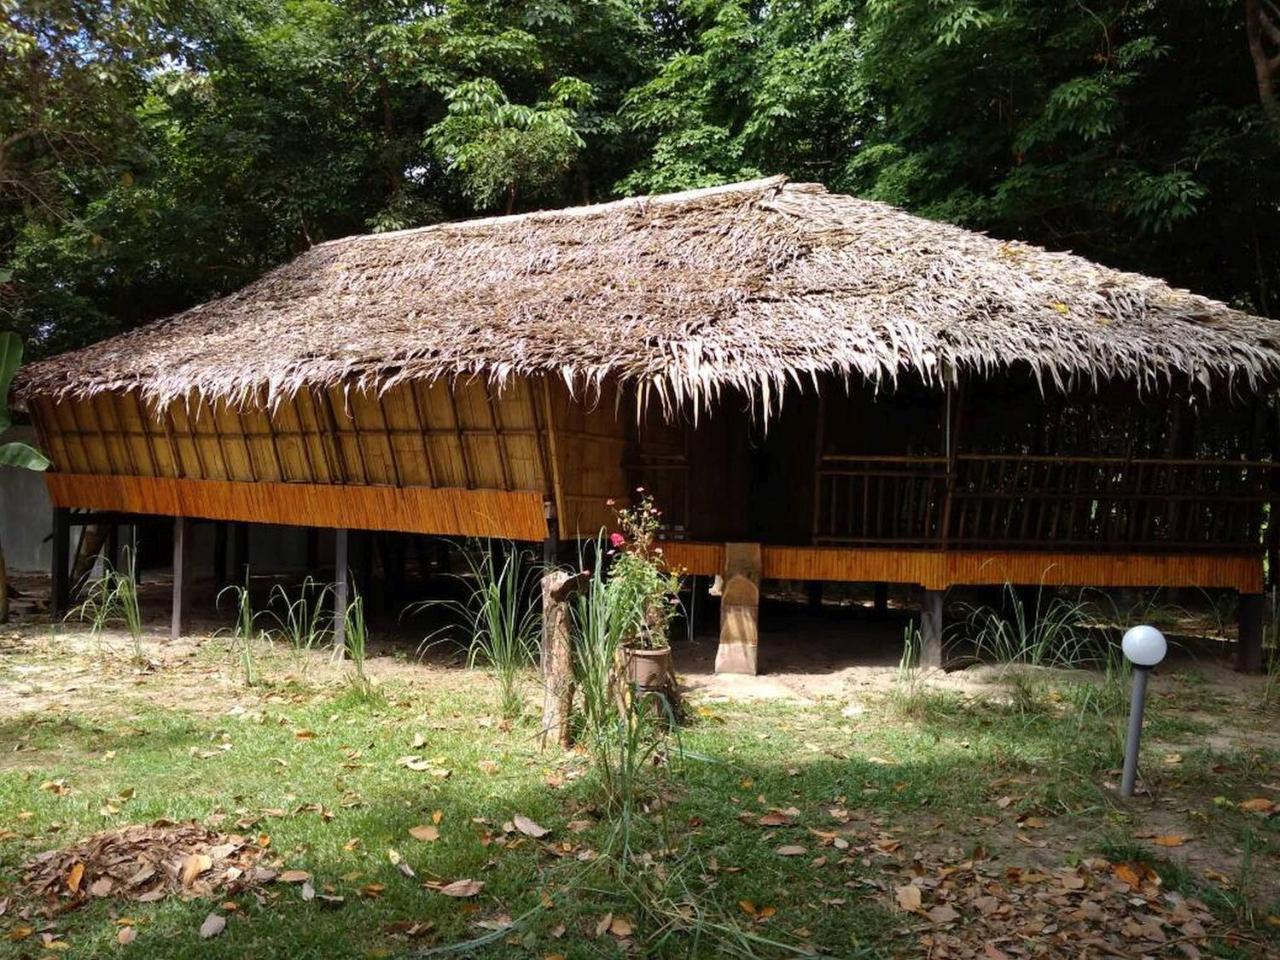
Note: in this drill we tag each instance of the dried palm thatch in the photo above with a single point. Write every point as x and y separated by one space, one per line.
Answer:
750 286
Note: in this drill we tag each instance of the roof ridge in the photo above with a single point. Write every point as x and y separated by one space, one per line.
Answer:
760 185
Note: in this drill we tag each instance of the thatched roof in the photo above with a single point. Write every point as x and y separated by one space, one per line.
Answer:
750 285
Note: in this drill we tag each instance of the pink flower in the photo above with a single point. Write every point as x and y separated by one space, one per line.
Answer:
617 539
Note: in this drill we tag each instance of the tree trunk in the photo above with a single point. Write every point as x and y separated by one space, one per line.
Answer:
4 588
1261 30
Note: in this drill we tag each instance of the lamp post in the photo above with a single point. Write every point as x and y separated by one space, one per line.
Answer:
1144 647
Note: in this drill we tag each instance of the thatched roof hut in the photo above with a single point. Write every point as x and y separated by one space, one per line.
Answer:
750 285
432 381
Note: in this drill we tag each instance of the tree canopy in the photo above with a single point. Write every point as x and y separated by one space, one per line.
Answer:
156 153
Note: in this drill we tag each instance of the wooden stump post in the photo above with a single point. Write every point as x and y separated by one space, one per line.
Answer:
1249 638
739 609
558 589
182 536
931 628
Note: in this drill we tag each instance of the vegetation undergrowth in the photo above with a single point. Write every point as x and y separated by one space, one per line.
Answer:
500 615
111 599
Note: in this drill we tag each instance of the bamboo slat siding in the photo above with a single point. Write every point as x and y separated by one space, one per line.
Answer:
415 435
939 569
446 511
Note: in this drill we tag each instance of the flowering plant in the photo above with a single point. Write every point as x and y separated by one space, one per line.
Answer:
640 585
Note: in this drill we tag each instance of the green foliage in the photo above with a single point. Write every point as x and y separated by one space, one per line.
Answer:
245 634
355 640
304 622
623 734
505 150
155 154
113 599
500 616
14 453
640 590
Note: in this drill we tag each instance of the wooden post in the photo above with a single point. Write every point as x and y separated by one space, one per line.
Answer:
1252 610
815 596
931 628
340 589
242 553
739 609
182 536
219 555
558 589
882 600
60 586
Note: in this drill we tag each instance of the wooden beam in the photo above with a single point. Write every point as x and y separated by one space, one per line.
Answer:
446 511
182 537
940 569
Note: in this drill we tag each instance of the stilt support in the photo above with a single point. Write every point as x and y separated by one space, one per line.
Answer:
341 588
219 556
931 628
740 609
61 573
1249 642
882 600
182 536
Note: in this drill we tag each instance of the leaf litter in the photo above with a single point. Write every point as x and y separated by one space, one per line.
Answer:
146 863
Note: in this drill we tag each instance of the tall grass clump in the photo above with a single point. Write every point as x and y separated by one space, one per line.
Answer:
623 732
1052 634
304 622
245 633
500 615
1271 651
355 644
113 599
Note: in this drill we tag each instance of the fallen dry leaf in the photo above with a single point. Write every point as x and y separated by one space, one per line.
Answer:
462 888
213 925
294 876
791 850
126 935
528 827
1170 840
425 832
909 897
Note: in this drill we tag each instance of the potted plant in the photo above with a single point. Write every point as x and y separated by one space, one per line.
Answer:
644 593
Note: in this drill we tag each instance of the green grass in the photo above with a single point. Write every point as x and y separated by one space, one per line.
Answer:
905 767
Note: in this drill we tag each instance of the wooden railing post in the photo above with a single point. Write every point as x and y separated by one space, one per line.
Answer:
60 587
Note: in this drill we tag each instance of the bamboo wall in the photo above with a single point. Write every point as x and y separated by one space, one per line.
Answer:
531 437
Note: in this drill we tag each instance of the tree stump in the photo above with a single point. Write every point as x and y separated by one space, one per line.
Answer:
558 589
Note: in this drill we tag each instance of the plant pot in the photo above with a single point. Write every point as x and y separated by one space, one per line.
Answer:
650 669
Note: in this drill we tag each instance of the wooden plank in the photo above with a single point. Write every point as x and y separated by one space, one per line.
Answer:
515 515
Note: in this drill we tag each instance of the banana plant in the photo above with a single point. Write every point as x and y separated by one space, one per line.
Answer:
13 454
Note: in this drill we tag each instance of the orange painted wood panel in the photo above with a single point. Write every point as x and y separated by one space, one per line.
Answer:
517 515
938 569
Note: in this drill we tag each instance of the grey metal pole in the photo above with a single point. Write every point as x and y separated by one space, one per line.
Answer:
1136 706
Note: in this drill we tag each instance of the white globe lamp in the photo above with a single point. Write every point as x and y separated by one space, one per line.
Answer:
1144 646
